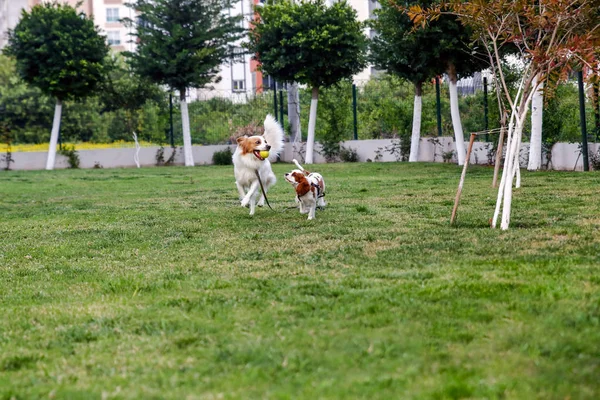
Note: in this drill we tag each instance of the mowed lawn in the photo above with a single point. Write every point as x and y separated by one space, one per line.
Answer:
154 283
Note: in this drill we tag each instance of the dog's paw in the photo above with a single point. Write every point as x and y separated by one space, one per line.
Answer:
261 203
244 202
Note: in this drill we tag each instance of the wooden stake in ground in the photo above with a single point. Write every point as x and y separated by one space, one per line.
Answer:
462 178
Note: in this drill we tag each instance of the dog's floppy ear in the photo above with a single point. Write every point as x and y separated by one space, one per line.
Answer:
241 139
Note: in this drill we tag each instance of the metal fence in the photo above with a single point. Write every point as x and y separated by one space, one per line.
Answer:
378 108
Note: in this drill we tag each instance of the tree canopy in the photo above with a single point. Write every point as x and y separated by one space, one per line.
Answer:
182 43
58 50
308 42
396 49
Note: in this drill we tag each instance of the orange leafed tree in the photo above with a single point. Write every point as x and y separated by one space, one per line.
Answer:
551 37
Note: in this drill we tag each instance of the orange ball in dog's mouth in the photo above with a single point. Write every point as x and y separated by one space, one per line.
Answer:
261 155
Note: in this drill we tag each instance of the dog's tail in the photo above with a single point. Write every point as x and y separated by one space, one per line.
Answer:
274 136
298 164
300 167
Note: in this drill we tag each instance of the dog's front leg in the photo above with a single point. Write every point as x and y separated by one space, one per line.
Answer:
249 198
302 207
240 189
311 210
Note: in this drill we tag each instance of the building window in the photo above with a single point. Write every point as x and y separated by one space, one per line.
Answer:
239 85
112 15
113 38
237 54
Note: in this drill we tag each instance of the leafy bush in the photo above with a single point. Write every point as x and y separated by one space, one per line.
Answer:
349 155
71 154
222 157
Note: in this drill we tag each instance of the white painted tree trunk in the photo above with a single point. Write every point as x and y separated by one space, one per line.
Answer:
187 137
294 113
535 143
507 158
312 120
54 136
456 124
416 127
511 171
511 163
136 156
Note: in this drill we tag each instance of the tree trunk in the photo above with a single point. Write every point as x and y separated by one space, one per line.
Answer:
294 113
500 148
511 162
512 165
187 137
454 111
312 120
54 136
535 143
416 128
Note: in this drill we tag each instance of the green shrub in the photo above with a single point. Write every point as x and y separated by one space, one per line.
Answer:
71 154
349 155
223 157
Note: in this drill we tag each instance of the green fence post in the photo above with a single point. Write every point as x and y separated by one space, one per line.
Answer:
438 108
171 120
584 141
281 120
354 112
275 99
485 109
597 109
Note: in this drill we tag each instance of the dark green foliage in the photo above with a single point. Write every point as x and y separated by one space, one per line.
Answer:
308 42
127 94
413 56
223 157
182 43
348 154
59 51
417 55
336 116
160 156
595 160
71 154
27 111
6 138
124 90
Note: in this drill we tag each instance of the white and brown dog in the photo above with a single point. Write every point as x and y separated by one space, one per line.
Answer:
247 160
310 189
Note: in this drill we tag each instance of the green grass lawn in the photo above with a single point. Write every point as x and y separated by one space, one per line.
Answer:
155 283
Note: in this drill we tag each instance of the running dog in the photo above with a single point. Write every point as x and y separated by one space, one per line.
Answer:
310 189
248 162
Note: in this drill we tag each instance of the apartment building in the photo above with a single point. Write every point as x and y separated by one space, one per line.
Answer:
10 12
106 13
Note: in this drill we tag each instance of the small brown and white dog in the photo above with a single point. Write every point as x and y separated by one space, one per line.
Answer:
247 160
310 189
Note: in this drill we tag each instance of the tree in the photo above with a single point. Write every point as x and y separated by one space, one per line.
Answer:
129 92
59 51
459 57
309 43
408 54
181 44
552 38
